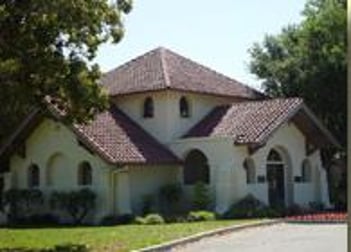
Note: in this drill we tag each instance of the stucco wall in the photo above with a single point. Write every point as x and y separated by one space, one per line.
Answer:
167 124
147 180
54 148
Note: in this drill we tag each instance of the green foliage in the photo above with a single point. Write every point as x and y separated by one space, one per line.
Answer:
19 203
201 216
170 197
148 202
201 196
112 220
57 248
76 203
150 219
46 49
247 207
309 60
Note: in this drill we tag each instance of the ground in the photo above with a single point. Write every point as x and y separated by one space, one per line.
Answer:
117 238
281 237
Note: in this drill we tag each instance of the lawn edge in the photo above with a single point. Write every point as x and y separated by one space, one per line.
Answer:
196 237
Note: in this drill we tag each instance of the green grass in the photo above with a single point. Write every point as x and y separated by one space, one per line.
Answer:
117 238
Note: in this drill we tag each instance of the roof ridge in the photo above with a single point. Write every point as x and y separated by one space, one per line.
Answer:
206 68
164 66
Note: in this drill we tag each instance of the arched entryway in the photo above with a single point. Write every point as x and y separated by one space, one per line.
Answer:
279 178
196 168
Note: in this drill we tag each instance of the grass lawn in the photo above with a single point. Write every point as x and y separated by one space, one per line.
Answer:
117 238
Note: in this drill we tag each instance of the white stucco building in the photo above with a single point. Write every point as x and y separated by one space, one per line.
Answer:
174 121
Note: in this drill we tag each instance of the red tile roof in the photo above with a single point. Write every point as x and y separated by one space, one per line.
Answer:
120 140
246 122
162 69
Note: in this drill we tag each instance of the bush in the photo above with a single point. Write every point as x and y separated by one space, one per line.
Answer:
21 202
150 219
170 196
201 216
247 207
112 220
201 200
148 201
76 203
37 220
316 206
57 248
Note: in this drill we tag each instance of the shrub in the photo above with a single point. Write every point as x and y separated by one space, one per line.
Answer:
201 216
170 196
247 207
112 220
76 203
150 219
201 197
148 201
21 202
316 206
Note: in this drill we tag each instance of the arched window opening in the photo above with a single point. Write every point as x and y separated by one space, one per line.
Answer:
274 156
250 170
33 176
184 108
196 168
306 171
85 176
148 109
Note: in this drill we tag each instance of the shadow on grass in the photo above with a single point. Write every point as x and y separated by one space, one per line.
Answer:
57 248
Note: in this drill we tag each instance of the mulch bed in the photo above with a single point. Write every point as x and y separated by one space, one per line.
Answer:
328 217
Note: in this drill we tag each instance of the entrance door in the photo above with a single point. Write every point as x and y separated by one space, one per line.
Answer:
276 185
275 179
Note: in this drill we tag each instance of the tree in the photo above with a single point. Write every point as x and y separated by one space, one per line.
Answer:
309 60
46 49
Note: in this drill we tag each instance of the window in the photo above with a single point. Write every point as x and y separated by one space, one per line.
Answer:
184 109
306 171
148 109
196 168
85 175
33 176
249 167
274 156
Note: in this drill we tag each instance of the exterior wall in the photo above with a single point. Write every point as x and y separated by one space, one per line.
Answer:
228 177
220 160
167 124
147 180
54 148
292 141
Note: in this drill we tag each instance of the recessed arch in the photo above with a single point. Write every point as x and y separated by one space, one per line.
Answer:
85 174
279 177
250 170
306 171
56 168
196 168
184 107
33 176
148 107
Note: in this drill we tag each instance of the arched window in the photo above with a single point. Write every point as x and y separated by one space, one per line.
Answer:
85 174
184 109
250 170
196 168
148 108
33 176
274 156
306 171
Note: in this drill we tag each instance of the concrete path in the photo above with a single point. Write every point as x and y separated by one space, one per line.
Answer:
277 238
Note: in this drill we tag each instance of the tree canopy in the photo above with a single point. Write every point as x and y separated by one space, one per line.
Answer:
46 49
309 60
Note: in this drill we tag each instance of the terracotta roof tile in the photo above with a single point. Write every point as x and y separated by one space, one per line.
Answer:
246 122
121 140
162 69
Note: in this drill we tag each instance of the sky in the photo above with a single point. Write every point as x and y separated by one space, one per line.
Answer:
217 34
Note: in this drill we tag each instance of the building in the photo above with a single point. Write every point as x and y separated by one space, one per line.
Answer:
175 121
